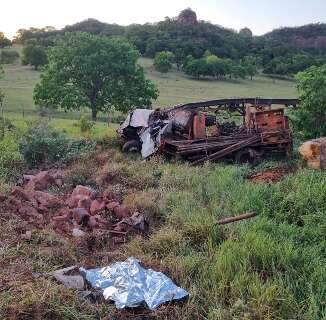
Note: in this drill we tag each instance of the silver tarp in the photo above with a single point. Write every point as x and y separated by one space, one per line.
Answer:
128 284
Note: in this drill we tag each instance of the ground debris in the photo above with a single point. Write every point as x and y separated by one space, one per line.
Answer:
269 176
75 213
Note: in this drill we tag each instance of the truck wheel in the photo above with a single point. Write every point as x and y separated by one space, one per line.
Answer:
247 156
131 146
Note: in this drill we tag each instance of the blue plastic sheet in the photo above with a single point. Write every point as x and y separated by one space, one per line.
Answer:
128 284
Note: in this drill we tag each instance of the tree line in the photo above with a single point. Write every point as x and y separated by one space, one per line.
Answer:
185 36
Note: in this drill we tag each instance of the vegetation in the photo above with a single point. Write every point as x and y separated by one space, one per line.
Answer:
4 42
270 267
87 71
163 61
34 55
41 144
285 51
9 56
310 118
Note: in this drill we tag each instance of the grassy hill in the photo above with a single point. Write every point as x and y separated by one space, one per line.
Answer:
19 81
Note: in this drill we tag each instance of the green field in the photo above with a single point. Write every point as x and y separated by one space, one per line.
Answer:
174 87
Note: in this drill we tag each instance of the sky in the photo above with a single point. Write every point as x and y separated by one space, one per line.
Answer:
260 16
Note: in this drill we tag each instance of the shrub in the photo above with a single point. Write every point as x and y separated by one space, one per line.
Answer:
9 56
85 124
41 144
11 161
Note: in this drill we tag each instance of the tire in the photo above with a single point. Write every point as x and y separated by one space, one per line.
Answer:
131 146
247 155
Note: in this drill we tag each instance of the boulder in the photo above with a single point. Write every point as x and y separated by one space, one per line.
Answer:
46 199
121 212
81 216
97 206
41 181
84 191
314 152
111 205
28 196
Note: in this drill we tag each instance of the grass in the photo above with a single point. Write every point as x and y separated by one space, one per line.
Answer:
270 267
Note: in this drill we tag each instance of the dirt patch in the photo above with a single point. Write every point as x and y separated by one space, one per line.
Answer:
269 176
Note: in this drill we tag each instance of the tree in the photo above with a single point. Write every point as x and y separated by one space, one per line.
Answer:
2 95
310 117
163 61
34 55
100 73
4 42
197 68
251 65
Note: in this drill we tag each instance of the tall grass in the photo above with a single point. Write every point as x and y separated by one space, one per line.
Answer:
270 267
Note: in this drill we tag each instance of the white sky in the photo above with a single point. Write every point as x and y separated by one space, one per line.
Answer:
259 15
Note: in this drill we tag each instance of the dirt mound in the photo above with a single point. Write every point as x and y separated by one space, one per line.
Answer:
269 176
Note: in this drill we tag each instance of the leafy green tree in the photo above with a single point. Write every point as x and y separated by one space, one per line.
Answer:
238 71
34 55
310 117
163 61
197 68
251 65
100 73
216 66
4 42
179 57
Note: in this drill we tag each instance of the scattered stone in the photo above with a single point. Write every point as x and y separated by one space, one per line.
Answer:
24 195
78 233
84 191
121 211
41 181
111 205
97 206
46 199
81 216
27 235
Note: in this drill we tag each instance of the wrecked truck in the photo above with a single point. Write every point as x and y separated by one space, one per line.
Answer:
241 130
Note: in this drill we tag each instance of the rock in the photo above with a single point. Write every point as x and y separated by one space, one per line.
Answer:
121 212
314 152
111 205
74 201
84 191
108 195
78 233
41 181
97 206
46 199
27 235
24 195
59 182
85 202
92 222
81 216
70 281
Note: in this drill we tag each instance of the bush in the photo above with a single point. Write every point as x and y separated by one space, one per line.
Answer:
42 144
11 161
85 124
9 56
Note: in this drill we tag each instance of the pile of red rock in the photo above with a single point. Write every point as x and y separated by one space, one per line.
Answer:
75 214
269 176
